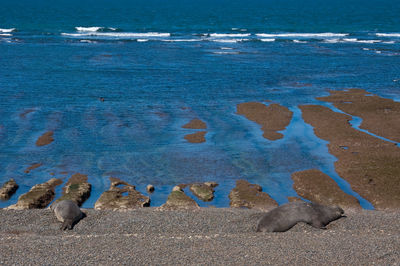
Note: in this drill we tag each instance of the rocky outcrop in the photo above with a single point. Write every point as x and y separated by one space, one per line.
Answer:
76 189
250 196
38 197
8 189
271 118
320 188
32 167
204 191
195 124
179 200
114 198
198 137
45 139
150 188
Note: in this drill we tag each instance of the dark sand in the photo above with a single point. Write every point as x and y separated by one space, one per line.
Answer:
205 236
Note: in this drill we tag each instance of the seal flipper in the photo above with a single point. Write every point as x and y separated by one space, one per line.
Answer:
67 224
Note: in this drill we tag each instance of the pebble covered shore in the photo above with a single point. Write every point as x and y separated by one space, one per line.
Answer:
202 236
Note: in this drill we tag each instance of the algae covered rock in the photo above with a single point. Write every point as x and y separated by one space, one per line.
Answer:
8 189
77 189
250 196
179 200
204 191
115 199
38 197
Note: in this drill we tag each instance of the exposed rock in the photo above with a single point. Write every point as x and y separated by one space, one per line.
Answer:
195 124
76 189
32 167
198 137
38 197
294 199
202 191
369 164
150 188
379 115
271 118
45 139
177 188
320 188
179 200
211 184
115 199
8 189
250 196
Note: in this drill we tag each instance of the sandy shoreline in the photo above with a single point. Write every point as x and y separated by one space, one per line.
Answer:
203 236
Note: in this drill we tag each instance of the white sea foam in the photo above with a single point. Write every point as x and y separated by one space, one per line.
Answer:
7 30
360 41
267 40
298 41
118 34
230 40
88 41
181 40
226 48
332 40
233 35
366 49
303 35
388 34
389 42
142 40
5 34
225 52
378 52
89 29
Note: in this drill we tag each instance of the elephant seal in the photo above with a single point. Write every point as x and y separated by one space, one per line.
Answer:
288 215
67 212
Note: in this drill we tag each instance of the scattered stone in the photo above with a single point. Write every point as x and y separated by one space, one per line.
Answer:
8 189
179 200
38 197
114 198
45 139
198 137
77 189
318 187
150 188
271 118
32 167
250 196
202 191
195 124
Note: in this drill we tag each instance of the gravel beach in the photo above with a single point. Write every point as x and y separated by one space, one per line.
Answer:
203 236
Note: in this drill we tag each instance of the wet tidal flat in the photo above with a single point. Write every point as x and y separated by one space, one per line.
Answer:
360 167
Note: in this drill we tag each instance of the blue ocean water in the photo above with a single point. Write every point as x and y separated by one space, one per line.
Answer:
159 64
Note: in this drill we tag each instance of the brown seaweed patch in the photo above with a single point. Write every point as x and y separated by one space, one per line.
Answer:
318 187
195 124
249 195
380 116
45 139
369 164
32 167
26 112
271 118
198 137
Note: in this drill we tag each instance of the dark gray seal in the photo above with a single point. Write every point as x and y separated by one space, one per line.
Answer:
288 215
67 212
